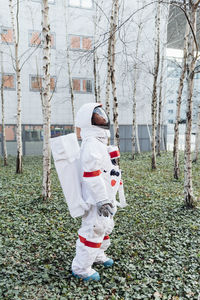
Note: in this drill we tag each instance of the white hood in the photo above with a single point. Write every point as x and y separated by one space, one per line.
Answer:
84 115
84 121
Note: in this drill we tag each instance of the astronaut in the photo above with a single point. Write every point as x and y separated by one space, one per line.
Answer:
96 167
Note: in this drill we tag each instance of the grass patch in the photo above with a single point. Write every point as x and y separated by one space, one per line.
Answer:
155 243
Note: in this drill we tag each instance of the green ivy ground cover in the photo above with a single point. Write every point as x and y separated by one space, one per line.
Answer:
155 243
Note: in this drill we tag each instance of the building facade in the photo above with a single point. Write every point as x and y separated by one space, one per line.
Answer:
174 63
79 25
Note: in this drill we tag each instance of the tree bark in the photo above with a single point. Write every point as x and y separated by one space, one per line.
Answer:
154 94
69 68
191 61
46 188
18 75
95 77
135 80
5 155
113 79
160 104
95 59
197 138
98 84
109 62
178 107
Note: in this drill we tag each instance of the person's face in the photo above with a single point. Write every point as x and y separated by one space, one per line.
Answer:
100 118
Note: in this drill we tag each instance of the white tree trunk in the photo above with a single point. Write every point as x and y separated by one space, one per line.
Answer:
178 107
113 79
95 58
5 156
46 188
135 81
197 138
95 76
137 139
149 134
154 94
191 61
160 104
109 62
18 75
98 84
69 67
97 81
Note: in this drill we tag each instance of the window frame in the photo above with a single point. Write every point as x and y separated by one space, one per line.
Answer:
30 32
170 111
81 42
38 90
14 77
80 6
2 40
81 85
171 101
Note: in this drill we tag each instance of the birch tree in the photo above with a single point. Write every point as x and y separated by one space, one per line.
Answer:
160 105
162 90
135 81
154 93
46 99
95 58
69 66
197 137
112 74
190 66
178 107
3 114
108 79
15 28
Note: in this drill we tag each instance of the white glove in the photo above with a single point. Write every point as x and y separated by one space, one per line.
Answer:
105 208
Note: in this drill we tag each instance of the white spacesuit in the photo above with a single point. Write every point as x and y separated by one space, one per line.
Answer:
99 187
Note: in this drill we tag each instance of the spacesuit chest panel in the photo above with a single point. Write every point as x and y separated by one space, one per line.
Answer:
93 159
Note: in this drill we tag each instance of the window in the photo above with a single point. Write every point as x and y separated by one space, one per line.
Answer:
82 85
75 42
87 86
81 3
170 121
77 85
36 83
8 81
197 75
33 133
80 42
6 35
171 101
173 69
173 73
57 130
170 111
35 38
10 132
52 83
86 43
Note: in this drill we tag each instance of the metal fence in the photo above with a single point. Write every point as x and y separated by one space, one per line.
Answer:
32 138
